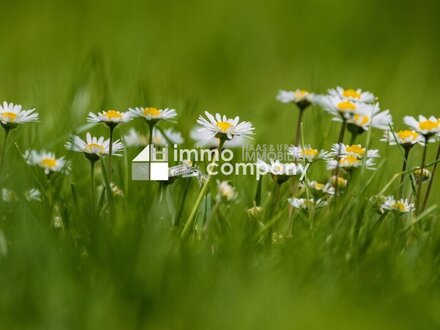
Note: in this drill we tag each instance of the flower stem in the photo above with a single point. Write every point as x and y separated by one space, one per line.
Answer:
353 138
3 155
405 164
437 157
422 167
298 126
110 152
192 216
92 184
340 140
150 136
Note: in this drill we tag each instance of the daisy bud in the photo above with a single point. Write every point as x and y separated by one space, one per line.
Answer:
339 181
255 211
422 175
57 222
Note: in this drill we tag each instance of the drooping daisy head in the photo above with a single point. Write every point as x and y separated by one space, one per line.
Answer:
406 138
110 117
224 128
225 192
300 97
307 153
47 161
319 189
355 95
280 172
94 148
425 126
422 175
12 115
355 150
369 116
339 182
303 203
153 115
400 206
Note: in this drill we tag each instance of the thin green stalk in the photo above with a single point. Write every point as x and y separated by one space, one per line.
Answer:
110 152
422 167
5 142
340 140
428 191
353 138
189 223
405 164
298 127
92 184
150 135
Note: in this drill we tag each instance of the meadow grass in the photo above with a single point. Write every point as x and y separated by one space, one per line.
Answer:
129 268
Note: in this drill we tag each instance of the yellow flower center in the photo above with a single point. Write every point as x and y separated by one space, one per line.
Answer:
9 115
428 125
355 149
346 106
400 206
224 126
95 146
351 93
301 93
361 120
113 114
48 162
319 186
309 152
404 135
152 112
349 160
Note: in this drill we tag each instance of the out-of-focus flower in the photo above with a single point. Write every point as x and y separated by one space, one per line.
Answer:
400 206
319 188
303 203
280 172
339 181
369 116
225 192
300 97
422 175
9 196
33 194
355 150
136 139
47 161
350 162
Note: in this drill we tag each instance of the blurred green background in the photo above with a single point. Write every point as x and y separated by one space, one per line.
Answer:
67 58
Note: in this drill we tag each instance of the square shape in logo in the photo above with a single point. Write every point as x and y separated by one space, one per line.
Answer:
159 171
140 171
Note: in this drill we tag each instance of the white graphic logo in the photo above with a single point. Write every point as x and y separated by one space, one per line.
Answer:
150 164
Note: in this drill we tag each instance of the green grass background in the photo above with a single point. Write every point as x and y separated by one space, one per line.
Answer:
67 58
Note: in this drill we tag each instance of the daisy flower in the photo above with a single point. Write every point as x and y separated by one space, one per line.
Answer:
93 148
225 192
319 188
340 108
400 206
406 138
151 114
356 95
224 128
8 195
300 97
349 162
307 153
206 140
33 194
355 150
302 203
110 117
280 172
12 115
425 126
47 161
369 116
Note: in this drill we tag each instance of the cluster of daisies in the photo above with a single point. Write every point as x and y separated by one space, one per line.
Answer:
357 112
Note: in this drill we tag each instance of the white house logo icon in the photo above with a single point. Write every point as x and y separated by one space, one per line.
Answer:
150 165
